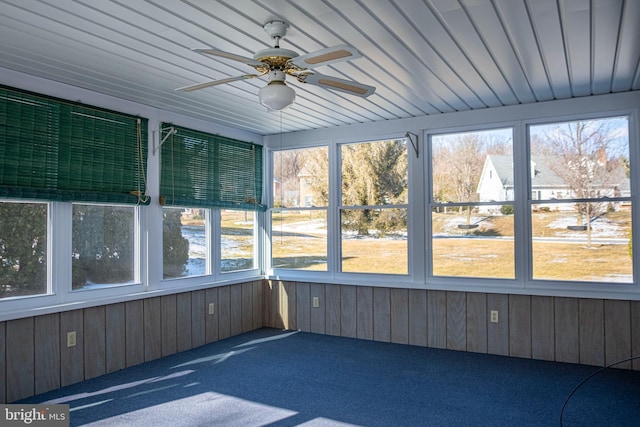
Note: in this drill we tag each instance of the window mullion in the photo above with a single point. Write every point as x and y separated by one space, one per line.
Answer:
334 213
522 210
61 247
214 239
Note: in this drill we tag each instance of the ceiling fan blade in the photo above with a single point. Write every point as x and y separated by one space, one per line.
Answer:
217 82
326 56
233 56
334 83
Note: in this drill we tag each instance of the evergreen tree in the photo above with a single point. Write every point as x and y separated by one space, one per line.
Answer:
175 248
374 174
23 249
103 245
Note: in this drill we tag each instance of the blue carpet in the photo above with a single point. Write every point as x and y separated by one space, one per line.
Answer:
282 378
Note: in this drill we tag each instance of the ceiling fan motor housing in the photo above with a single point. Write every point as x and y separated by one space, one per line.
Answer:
275 57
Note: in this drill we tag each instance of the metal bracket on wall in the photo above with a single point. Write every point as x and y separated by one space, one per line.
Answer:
414 143
170 131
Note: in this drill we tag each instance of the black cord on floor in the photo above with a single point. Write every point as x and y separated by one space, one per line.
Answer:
589 377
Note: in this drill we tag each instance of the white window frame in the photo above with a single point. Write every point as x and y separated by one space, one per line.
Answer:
217 249
517 117
59 293
340 208
611 289
214 273
457 283
268 223
334 274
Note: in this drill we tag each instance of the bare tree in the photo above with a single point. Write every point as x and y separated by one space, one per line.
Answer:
457 162
457 165
584 155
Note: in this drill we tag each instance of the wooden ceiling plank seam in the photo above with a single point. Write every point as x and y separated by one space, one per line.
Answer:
539 51
349 67
222 69
383 74
520 32
464 92
106 63
454 22
562 70
494 30
545 19
576 21
433 60
523 90
485 74
107 40
427 57
403 69
618 46
606 29
627 63
238 44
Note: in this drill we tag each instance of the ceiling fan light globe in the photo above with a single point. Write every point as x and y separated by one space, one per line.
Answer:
277 95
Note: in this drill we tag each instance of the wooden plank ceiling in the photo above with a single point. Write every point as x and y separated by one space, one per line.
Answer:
423 56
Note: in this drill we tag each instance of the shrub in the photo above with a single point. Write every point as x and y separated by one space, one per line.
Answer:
506 210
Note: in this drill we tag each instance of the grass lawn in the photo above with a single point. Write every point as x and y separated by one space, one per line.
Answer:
484 252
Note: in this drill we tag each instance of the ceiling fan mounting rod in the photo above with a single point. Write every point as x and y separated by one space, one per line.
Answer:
276 30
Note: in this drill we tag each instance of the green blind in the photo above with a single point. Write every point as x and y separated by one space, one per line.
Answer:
205 170
51 149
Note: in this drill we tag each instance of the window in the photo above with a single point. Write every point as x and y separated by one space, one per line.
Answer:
238 240
472 210
68 163
373 213
581 217
184 242
23 249
299 217
203 175
103 246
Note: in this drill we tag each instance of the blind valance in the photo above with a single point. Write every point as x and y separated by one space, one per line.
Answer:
199 169
52 149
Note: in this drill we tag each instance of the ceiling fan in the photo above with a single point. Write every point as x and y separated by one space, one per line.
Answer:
277 63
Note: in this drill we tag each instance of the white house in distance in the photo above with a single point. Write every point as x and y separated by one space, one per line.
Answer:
496 182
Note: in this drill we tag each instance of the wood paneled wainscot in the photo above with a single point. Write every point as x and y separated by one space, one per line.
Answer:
35 357
574 330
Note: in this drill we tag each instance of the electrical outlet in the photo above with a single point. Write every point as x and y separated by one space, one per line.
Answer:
71 339
211 308
316 302
494 316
